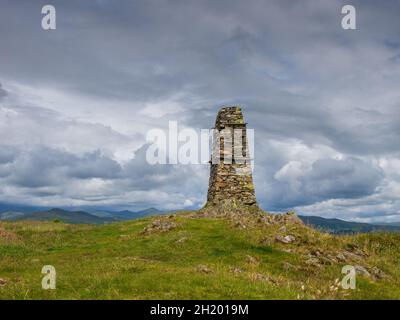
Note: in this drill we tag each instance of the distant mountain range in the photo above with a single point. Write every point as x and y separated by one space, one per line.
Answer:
91 216
67 216
337 226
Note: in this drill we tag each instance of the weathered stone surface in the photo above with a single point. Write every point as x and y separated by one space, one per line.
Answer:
181 240
235 270
362 270
313 262
340 257
203 269
259 277
377 273
159 226
252 260
3 282
285 239
231 183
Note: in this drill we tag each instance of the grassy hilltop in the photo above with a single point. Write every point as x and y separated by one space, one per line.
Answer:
190 256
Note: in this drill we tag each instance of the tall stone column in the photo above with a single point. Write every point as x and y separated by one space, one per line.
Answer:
231 182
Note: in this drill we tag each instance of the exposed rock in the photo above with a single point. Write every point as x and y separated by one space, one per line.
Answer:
313 262
332 258
319 257
287 218
316 253
252 260
324 257
259 277
326 260
356 250
362 270
203 268
262 277
3 282
159 226
340 257
181 240
377 273
263 220
266 241
236 270
282 229
288 266
240 225
351 255
285 239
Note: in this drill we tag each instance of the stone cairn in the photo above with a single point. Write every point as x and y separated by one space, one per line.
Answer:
231 183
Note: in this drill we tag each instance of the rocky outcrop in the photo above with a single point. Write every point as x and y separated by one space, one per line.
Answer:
160 225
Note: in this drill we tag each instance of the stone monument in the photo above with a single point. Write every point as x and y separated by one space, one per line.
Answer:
231 182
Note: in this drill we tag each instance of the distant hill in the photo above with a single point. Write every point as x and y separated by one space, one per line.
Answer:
12 207
337 226
334 226
79 216
396 224
127 214
11 215
64 216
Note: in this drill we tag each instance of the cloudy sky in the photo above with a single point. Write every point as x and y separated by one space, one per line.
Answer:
76 102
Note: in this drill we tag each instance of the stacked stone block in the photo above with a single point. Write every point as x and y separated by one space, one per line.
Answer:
231 179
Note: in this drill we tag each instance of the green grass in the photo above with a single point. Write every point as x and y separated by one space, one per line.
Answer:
119 261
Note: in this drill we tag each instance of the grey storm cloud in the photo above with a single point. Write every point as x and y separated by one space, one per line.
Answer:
3 92
76 102
44 166
41 169
140 174
7 154
350 178
292 185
